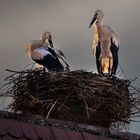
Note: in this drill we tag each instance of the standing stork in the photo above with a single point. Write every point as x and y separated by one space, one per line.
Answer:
43 53
105 45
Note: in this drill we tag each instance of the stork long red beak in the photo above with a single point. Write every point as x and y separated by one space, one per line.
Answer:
93 20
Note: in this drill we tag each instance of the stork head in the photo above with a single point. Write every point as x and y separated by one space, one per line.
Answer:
97 17
46 37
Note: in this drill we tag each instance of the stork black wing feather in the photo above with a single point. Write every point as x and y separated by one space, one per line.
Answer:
114 50
50 61
97 54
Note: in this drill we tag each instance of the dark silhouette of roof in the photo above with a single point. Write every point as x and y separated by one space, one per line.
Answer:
22 127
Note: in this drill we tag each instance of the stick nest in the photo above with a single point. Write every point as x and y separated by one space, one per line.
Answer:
78 96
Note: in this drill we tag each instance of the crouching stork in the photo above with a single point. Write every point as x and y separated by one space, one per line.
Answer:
105 45
43 53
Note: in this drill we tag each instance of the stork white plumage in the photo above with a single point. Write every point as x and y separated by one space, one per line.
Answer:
43 53
105 45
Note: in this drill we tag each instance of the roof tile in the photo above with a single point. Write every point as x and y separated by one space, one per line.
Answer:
16 130
59 133
44 133
104 138
75 135
89 136
10 127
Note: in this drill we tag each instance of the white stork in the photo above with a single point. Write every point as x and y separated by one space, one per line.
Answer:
105 45
43 53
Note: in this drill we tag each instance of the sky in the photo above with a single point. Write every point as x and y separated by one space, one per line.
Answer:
68 21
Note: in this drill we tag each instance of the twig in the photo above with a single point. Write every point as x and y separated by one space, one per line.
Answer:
48 114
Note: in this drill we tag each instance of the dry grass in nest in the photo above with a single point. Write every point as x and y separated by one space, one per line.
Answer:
78 96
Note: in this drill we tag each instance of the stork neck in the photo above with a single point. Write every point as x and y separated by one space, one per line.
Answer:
99 23
97 27
98 31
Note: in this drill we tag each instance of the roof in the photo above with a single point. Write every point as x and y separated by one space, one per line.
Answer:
22 127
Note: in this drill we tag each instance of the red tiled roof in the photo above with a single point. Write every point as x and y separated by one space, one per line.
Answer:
11 129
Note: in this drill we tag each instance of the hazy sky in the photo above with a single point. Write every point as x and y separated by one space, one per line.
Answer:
68 20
